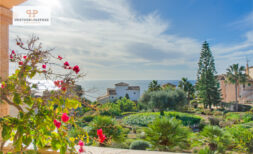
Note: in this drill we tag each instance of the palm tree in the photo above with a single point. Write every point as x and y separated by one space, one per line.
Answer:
236 76
154 86
188 88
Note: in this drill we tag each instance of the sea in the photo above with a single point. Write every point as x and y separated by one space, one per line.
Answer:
95 88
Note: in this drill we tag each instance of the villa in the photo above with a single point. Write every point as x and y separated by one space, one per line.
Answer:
121 90
245 91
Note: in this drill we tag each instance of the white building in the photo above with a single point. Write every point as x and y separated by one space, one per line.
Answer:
121 90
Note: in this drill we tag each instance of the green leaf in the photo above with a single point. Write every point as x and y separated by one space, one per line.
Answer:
16 98
6 132
27 140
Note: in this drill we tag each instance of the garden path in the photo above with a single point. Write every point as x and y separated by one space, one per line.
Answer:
99 150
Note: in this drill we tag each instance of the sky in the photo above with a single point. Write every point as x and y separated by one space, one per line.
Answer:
144 39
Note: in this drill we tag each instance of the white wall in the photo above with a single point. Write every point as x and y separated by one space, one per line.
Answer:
134 95
121 91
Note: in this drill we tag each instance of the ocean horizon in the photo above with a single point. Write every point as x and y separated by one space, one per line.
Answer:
96 88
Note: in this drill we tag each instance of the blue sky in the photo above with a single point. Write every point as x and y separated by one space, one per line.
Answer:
145 39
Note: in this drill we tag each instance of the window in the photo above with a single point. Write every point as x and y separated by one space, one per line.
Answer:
249 84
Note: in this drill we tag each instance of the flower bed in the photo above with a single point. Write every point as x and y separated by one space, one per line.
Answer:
143 119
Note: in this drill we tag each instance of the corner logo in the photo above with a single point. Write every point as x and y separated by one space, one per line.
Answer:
31 16
32 13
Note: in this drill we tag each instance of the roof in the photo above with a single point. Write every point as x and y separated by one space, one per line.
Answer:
111 91
133 88
168 84
122 84
221 77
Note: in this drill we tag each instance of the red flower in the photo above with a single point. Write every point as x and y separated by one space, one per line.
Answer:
65 117
44 66
66 63
57 123
13 52
76 69
63 88
11 57
18 43
25 57
81 143
101 136
99 132
20 63
59 57
81 150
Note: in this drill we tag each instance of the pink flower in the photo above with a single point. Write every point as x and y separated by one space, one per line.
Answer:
65 117
66 63
57 123
44 66
81 143
13 52
59 57
76 69
81 150
25 57
2 86
11 57
20 63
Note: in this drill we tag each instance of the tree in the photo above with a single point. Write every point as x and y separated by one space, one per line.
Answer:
44 120
188 88
164 99
154 86
165 134
208 92
236 76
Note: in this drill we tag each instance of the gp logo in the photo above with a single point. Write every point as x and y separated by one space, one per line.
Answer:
32 13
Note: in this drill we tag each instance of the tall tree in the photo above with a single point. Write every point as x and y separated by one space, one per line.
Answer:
154 86
236 76
208 92
187 87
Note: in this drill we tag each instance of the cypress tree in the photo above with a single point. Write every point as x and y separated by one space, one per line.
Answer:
208 92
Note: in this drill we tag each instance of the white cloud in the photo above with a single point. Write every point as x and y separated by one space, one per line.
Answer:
110 40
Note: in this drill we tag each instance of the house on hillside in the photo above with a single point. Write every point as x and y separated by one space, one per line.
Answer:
121 90
245 91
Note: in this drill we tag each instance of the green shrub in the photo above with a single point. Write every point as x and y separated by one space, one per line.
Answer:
110 109
77 133
143 119
206 150
110 128
139 145
214 121
217 139
239 117
167 134
243 138
126 105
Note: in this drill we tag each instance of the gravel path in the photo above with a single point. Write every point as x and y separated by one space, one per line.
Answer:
99 150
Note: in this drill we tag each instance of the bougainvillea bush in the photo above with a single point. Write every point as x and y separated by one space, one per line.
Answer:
41 121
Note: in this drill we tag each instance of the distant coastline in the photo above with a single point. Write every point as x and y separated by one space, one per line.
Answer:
96 88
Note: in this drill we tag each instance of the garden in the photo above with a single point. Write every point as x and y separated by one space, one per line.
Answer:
175 119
